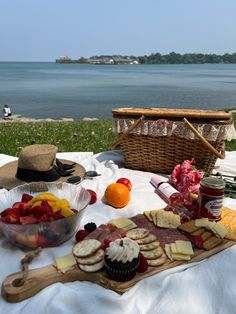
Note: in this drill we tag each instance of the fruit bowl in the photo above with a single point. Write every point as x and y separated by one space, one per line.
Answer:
44 233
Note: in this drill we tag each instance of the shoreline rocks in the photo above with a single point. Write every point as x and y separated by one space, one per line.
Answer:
19 118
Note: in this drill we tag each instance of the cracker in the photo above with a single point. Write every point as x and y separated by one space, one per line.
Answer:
153 254
150 238
166 219
92 268
138 233
206 235
188 227
87 247
147 213
154 216
198 232
149 246
91 259
211 243
157 262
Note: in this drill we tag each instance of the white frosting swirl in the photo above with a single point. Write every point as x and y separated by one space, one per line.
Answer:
123 250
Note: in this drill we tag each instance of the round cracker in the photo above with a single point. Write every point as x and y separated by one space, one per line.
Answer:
157 262
138 233
149 246
91 259
153 254
150 238
86 247
92 268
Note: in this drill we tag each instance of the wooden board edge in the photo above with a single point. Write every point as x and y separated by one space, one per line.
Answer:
199 256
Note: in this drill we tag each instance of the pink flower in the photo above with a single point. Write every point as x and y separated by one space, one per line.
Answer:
186 178
175 176
162 122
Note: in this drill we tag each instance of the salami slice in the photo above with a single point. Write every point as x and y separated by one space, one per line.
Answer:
165 236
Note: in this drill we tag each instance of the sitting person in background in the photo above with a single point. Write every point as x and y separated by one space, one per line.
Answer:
6 112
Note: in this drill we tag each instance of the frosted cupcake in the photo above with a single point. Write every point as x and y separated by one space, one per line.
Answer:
122 259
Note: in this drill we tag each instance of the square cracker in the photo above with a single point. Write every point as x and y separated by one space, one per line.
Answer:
212 242
188 227
148 214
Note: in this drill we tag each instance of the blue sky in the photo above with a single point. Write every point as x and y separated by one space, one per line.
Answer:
42 30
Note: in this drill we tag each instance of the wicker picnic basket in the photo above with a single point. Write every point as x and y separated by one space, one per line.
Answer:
157 139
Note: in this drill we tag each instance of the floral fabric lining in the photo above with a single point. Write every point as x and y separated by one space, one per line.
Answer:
164 127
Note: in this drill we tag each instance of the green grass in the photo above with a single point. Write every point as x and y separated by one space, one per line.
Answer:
95 136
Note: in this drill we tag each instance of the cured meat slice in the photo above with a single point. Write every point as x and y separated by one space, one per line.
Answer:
165 236
95 234
107 232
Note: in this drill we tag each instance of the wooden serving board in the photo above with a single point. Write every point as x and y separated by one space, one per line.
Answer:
41 278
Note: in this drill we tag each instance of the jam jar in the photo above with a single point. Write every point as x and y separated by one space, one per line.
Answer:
211 194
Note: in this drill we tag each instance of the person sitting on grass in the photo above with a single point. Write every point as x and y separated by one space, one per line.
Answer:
6 112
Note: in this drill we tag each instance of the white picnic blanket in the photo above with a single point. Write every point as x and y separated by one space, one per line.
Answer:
206 287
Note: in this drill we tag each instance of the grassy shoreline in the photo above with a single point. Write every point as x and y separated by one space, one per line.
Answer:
68 136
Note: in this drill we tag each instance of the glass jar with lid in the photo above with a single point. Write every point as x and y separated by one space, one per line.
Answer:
211 195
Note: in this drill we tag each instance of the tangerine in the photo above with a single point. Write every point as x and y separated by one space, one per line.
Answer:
117 195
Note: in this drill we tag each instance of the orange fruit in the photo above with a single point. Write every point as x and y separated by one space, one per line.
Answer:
117 195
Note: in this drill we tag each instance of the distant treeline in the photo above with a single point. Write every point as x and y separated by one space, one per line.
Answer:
187 58
171 58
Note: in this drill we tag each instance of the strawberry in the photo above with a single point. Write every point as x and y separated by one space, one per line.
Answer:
30 219
106 243
143 265
80 235
11 215
43 212
26 198
122 235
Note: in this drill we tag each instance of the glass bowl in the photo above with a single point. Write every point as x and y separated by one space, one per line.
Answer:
44 234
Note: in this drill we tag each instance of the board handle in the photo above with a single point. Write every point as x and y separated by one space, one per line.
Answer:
37 279
40 278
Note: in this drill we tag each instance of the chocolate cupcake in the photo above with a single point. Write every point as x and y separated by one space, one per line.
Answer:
121 259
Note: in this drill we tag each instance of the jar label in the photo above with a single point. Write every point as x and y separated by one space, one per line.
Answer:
214 207
210 206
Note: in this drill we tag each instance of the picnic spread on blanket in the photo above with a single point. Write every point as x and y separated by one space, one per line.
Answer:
163 200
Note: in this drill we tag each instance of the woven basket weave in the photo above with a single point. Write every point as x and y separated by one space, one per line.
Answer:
160 154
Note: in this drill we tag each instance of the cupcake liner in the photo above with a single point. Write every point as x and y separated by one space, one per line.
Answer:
119 271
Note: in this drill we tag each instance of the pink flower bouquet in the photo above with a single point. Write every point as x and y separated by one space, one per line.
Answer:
186 179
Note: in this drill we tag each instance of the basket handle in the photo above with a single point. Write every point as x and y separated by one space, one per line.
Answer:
123 135
203 140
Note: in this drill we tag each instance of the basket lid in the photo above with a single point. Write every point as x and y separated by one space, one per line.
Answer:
172 113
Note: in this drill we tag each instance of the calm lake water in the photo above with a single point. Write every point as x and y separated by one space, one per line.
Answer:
50 90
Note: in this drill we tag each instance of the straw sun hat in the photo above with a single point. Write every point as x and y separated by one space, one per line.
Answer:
38 163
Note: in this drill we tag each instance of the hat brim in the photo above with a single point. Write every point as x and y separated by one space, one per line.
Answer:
8 179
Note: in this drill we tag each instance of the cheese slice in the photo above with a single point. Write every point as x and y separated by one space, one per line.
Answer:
176 253
168 251
173 248
180 257
211 225
123 223
219 230
65 263
184 247
202 222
